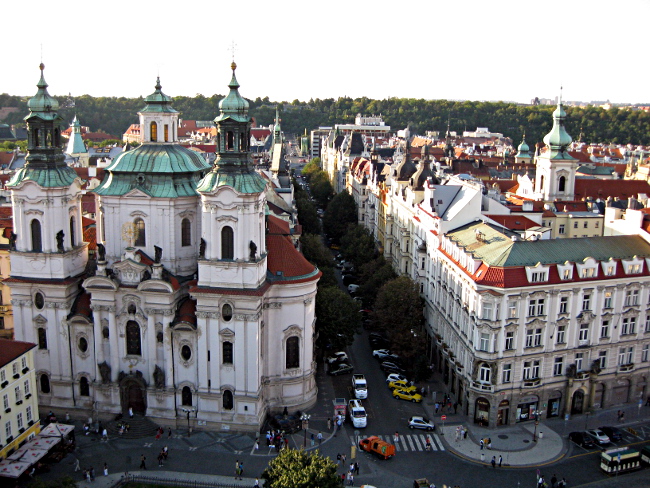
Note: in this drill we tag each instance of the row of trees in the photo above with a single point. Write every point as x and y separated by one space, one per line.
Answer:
621 126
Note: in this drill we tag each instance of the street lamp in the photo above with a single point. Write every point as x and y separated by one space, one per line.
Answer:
305 425
536 424
188 411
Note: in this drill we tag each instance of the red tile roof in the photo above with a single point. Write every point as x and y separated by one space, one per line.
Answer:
90 236
187 312
6 158
284 260
513 222
596 188
81 305
88 204
6 212
12 350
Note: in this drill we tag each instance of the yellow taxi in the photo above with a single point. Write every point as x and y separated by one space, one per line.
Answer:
402 385
407 395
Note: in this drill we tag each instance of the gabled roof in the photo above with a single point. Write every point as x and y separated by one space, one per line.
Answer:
513 222
284 262
597 188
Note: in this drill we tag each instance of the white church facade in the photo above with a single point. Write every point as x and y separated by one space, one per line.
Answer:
198 302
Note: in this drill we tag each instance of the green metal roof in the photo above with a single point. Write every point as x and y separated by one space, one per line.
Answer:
241 182
158 101
558 139
496 247
42 104
159 170
58 177
233 106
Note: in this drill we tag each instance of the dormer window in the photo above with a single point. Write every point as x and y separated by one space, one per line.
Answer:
588 272
538 276
609 271
633 268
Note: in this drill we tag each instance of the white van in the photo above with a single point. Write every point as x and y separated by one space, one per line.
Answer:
357 414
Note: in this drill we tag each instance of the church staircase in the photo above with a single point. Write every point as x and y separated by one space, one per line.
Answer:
139 427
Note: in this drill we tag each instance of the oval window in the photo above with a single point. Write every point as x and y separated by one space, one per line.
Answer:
186 352
226 312
39 300
83 344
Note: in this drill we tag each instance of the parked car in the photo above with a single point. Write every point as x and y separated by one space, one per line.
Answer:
410 396
417 422
380 353
337 357
402 385
353 288
614 433
388 367
598 436
340 368
395 377
581 438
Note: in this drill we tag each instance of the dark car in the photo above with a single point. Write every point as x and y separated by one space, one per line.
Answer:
340 368
615 434
582 439
388 367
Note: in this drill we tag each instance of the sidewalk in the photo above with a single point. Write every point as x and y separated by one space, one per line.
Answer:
513 443
213 479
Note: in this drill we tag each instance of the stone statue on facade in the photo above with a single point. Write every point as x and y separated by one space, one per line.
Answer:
101 252
253 250
59 241
202 248
159 377
157 254
105 372
12 241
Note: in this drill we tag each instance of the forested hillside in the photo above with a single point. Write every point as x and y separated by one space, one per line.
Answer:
114 115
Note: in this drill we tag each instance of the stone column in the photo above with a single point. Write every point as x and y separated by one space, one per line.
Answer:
113 338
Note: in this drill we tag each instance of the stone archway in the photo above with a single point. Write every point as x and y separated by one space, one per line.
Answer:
133 394
577 402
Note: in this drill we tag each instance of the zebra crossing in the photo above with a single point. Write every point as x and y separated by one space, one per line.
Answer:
406 442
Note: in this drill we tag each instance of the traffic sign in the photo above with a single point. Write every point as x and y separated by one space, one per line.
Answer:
444 417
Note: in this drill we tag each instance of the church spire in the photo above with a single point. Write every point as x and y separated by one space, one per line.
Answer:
558 140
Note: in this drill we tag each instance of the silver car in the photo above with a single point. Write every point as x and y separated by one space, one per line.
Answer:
417 422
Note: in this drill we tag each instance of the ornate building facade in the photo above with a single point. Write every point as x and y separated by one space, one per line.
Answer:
198 304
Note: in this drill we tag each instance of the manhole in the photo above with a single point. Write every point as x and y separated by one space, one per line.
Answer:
526 441
502 436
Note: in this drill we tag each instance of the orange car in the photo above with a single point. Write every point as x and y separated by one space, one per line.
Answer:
375 445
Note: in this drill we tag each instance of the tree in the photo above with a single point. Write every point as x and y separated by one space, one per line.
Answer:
398 311
307 215
373 275
337 317
321 188
341 212
63 482
315 251
358 245
294 468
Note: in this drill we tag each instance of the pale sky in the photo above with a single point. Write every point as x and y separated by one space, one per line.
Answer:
297 49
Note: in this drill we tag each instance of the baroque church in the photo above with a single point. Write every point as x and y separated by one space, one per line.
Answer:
198 304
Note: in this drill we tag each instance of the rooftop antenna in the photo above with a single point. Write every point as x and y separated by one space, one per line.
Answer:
561 87
232 49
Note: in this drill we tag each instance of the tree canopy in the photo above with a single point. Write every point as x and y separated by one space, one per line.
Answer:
358 245
341 212
337 317
294 468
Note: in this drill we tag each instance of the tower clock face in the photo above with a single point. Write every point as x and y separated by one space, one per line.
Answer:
129 233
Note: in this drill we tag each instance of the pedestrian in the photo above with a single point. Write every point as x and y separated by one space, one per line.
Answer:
160 459
87 475
257 445
313 439
67 418
351 483
481 443
77 466
319 437
169 433
465 434
563 482
165 452
428 446
286 442
143 460
329 422
351 470
622 419
105 469
396 438
489 443
482 457
437 406
500 460
553 481
130 412
338 459
257 483
494 462
342 478
104 435
241 469
356 468
92 474
618 415
236 469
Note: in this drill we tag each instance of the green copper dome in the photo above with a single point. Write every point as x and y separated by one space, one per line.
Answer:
158 101
233 106
523 150
558 140
42 104
159 170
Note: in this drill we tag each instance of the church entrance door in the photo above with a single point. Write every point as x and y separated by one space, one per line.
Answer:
136 399
132 393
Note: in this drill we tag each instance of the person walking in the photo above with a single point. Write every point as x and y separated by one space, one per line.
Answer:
319 437
481 443
356 468
169 433
241 469
396 438
130 412
105 435
489 446
77 466
92 474
236 469
105 469
553 480
257 483
494 462
500 459
351 483
160 459
143 462
329 423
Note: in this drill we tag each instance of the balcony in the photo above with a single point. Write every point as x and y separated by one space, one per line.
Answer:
582 375
625 368
532 383
482 387
5 308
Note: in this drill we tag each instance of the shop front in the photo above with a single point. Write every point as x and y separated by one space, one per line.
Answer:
503 412
527 408
482 412
553 409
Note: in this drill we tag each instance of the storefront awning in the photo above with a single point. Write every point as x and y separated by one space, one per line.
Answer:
13 469
57 430
27 455
42 443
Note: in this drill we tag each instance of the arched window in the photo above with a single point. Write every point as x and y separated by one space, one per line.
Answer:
37 244
84 387
230 140
36 141
541 183
186 396
57 138
45 383
154 132
42 338
226 353
166 132
228 402
186 232
72 233
133 341
227 243
141 239
561 183
293 352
